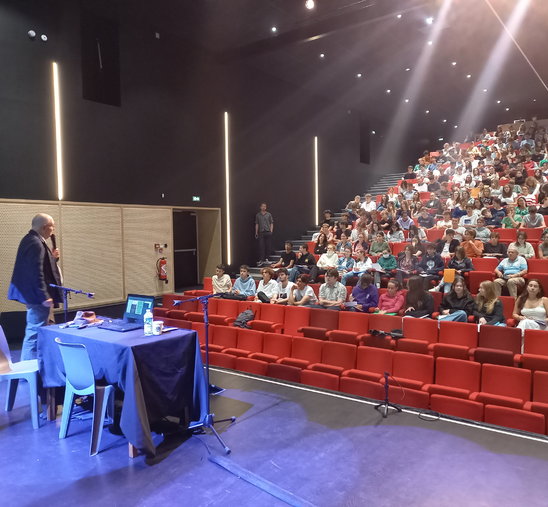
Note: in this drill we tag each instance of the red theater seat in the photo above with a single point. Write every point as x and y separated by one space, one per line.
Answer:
409 397
497 345
412 370
273 313
251 305
159 311
304 351
539 403
199 327
476 277
227 307
343 337
321 318
535 342
249 341
360 387
222 337
283 372
371 363
336 357
355 322
515 418
294 318
455 377
457 407
418 334
320 379
181 324
222 360
251 365
275 346
381 323
265 326
503 385
455 339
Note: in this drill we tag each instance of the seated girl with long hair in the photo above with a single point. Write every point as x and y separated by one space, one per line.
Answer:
418 302
457 304
489 308
531 308
391 302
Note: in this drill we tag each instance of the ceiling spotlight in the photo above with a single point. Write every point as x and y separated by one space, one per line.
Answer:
399 16
310 4
429 20
455 126
358 75
408 69
507 109
388 91
322 55
430 42
31 34
534 100
406 101
274 29
373 132
485 90
444 121
468 76
440 138
499 101
453 63
427 111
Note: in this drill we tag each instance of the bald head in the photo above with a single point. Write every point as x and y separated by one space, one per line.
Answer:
43 224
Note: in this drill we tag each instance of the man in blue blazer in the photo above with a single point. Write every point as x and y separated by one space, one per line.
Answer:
35 268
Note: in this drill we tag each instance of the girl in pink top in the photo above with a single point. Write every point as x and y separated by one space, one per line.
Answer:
392 300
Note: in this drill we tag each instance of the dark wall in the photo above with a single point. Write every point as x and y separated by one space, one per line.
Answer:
167 135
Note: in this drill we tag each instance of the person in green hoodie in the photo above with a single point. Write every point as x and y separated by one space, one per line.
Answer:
388 263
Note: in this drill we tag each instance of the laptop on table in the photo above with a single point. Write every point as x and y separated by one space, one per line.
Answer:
136 306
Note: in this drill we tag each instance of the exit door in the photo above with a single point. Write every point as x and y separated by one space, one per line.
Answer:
185 249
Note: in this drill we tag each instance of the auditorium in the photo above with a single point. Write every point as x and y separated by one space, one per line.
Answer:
274 252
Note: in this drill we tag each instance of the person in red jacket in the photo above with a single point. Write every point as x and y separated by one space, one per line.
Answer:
391 302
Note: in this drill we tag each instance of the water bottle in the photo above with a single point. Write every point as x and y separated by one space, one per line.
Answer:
148 322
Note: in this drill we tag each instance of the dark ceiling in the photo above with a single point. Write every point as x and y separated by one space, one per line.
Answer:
367 37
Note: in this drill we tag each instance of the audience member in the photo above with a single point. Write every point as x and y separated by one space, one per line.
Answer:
472 246
430 265
220 280
287 258
244 286
326 261
446 246
488 309
268 287
510 273
493 248
284 287
380 244
531 308
532 219
365 294
332 292
392 301
303 263
457 304
418 302
362 264
524 248
301 294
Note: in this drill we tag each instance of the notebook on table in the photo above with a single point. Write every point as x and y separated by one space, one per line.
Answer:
136 306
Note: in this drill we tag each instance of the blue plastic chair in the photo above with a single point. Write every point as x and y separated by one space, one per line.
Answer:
81 382
13 372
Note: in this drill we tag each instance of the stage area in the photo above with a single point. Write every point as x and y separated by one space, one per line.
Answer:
326 449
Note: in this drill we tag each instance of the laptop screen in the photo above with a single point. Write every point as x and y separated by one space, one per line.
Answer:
136 307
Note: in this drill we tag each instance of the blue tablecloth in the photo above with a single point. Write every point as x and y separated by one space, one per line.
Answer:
160 375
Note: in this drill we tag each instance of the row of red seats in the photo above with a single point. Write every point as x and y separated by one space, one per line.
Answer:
495 394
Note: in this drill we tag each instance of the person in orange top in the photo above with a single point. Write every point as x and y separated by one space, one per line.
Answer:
472 246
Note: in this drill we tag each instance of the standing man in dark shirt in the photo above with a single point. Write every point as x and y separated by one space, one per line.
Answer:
264 227
35 268
287 259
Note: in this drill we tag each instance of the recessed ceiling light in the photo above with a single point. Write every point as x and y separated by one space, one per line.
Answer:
499 101
468 76
407 69
427 111
406 101
310 4
534 100
388 91
455 126
322 55
274 29
359 74
453 63
440 138
373 132
430 42
444 121
507 109
484 90
399 16
429 20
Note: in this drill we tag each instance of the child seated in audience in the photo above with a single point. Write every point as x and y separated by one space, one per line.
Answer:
346 263
244 286
396 234
430 265
418 302
511 220
284 287
482 233
268 287
332 292
524 248
461 264
392 301
533 219
220 280
445 221
472 246
494 248
425 219
365 294
543 247
457 304
362 264
326 261
379 245
288 257
344 243
488 309
301 294
388 263
446 246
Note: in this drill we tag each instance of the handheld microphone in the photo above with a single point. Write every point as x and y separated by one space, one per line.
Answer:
53 241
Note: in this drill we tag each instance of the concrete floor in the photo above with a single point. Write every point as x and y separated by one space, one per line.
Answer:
326 449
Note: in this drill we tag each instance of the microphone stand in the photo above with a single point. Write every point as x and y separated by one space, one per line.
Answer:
209 419
66 291
383 407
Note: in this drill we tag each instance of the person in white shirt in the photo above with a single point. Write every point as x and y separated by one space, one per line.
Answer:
362 265
301 294
369 204
268 287
445 222
470 219
326 261
220 280
284 287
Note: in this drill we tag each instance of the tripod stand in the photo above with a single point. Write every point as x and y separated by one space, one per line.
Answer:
209 419
383 407
66 291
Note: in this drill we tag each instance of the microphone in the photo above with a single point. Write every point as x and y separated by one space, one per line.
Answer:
91 295
53 241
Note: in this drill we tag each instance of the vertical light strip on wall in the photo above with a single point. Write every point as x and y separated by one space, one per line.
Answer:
58 139
316 182
227 187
